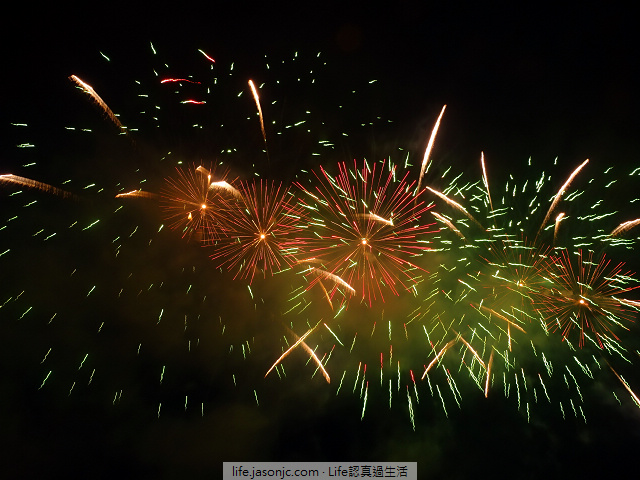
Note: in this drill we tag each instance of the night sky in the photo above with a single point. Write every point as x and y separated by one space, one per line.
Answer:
518 82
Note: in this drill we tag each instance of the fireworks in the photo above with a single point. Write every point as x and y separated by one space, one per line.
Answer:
586 296
260 230
366 228
449 285
513 295
16 180
195 202
88 89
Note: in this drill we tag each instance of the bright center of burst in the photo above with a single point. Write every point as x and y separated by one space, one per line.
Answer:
364 241
203 206
262 236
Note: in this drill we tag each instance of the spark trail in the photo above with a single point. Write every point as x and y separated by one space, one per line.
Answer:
88 89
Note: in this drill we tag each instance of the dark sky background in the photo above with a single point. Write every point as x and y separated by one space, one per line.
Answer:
520 81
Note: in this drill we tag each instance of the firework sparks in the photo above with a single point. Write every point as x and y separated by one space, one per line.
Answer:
485 180
139 194
442 351
193 206
88 89
471 349
289 350
376 218
486 385
559 195
559 218
518 289
256 97
362 233
501 317
455 205
427 152
315 358
627 387
624 227
448 223
365 229
44 187
260 230
585 296
332 277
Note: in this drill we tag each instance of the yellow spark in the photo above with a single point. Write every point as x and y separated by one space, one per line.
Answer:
486 383
376 218
624 226
475 354
448 224
502 317
486 180
558 196
559 218
437 357
326 294
298 342
88 89
317 360
138 194
427 152
225 186
327 275
626 385
204 171
27 182
254 91
455 205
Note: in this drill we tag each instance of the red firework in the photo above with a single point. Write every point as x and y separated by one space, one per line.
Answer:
365 233
260 230
587 295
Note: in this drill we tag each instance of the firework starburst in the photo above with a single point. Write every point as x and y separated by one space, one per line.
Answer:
366 228
195 202
586 296
260 230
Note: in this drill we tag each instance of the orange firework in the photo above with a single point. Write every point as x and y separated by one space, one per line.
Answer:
196 203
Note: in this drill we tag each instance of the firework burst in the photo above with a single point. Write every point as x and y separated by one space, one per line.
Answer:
586 296
485 300
499 297
260 230
366 229
513 274
196 203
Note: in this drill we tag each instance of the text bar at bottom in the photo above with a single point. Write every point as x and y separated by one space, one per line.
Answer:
318 470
